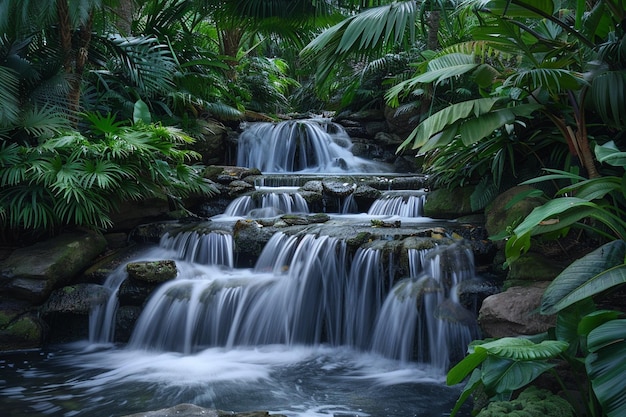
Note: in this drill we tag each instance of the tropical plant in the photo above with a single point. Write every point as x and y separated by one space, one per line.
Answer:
596 205
548 81
595 339
81 179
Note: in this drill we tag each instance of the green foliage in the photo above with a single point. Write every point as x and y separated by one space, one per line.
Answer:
76 179
596 272
267 84
601 199
532 402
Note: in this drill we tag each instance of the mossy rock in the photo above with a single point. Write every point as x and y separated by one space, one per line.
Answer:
532 402
27 331
532 267
500 215
152 271
449 203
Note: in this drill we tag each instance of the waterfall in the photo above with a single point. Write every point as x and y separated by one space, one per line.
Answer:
285 299
266 205
421 317
314 145
308 290
214 248
398 205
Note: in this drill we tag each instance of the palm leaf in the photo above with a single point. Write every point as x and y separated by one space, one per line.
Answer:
447 117
606 366
607 96
44 121
9 97
597 271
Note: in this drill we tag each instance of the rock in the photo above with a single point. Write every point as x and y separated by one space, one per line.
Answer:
532 266
133 292
134 213
75 299
373 128
405 164
366 193
190 410
210 143
152 272
24 332
388 139
402 123
33 272
67 311
238 187
338 189
515 312
250 237
448 203
313 186
499 215
125 320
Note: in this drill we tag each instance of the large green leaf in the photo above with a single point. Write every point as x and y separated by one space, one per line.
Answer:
520 349
446 117
609 153
606 366
505 375
585 277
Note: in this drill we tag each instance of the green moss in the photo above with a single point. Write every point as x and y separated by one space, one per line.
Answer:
533 402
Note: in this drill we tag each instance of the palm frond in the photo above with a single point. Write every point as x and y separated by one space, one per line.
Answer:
9 96
45 121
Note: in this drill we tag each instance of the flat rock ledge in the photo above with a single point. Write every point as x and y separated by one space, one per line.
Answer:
191 410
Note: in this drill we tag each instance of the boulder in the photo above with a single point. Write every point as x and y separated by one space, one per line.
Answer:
338 189
20 327
500 214
448 203
75 299
152 272
533 266
67 311
239 187
515 312
33 272
25 332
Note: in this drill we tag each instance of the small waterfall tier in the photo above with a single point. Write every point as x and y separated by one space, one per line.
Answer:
309 290
403 204
269 202
311 145
212 248
422 318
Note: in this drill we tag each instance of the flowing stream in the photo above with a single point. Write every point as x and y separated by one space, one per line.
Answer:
311 330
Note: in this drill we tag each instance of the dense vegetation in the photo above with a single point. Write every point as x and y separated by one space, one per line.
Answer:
101 97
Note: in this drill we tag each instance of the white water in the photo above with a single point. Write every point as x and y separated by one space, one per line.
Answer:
314 145
267 204
404 205
310 331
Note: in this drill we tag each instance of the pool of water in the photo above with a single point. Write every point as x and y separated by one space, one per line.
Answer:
83 379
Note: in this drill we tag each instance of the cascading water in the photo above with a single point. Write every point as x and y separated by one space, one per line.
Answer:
213 248
266 204
315 329
405 205
312 145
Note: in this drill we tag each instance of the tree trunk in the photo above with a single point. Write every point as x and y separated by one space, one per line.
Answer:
125 11
65 34
434 20
230 42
